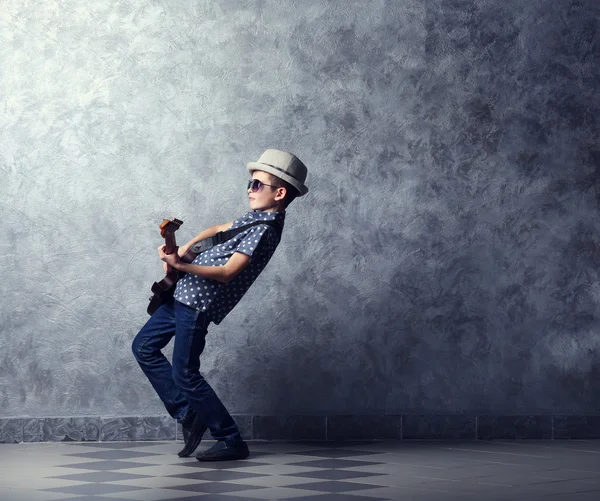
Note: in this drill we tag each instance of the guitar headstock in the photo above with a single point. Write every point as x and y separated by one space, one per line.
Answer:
169 226
167 229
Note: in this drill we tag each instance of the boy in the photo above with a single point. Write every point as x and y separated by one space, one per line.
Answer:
212 285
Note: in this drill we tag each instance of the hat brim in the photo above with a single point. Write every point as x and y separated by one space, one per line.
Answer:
302 190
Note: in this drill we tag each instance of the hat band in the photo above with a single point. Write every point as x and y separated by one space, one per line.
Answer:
281 170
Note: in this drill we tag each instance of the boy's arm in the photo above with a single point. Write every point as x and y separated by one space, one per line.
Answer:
209 232
225 273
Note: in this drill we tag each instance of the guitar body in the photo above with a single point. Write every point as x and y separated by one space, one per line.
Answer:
162 291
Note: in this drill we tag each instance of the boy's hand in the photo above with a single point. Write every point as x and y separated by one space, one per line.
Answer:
170 260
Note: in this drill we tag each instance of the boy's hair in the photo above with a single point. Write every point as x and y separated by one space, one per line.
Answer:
290 192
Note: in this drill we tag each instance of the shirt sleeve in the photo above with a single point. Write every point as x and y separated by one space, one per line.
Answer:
255 235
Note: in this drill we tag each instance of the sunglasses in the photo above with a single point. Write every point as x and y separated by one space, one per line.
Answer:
255 185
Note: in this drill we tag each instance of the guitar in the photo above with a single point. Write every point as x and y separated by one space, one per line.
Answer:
166 287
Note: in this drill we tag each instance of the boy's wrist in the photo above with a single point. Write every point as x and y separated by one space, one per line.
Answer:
181 266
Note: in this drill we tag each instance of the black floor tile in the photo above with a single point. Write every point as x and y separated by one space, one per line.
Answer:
214 487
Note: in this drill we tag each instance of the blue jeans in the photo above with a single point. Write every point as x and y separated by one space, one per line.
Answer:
181 387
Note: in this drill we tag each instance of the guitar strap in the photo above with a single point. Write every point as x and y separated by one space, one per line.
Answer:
223 236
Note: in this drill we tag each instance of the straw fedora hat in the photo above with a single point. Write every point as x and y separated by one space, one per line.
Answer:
283 165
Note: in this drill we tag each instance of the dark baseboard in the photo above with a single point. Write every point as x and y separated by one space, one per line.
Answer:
306 427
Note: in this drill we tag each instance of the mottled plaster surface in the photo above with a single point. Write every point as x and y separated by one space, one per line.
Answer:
445 260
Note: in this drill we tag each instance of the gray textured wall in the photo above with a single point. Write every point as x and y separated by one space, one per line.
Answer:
445 260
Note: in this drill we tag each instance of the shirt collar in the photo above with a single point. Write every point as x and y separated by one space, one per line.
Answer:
261 214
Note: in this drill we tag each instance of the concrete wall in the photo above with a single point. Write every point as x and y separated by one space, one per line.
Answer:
445 260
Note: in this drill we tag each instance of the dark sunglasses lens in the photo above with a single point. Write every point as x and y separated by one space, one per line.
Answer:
254 184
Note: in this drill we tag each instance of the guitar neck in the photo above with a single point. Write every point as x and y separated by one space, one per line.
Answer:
170 243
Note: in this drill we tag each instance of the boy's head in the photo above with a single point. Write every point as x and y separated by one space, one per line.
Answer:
277 179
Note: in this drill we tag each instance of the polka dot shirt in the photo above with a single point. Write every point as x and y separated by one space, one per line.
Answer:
216 298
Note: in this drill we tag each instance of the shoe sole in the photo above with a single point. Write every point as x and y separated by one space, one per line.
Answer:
222 458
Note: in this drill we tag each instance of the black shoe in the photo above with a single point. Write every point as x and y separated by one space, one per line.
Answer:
192 435
225 450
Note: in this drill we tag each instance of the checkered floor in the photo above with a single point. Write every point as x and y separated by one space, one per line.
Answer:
357 471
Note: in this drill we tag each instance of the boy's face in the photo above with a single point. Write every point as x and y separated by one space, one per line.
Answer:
267 198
